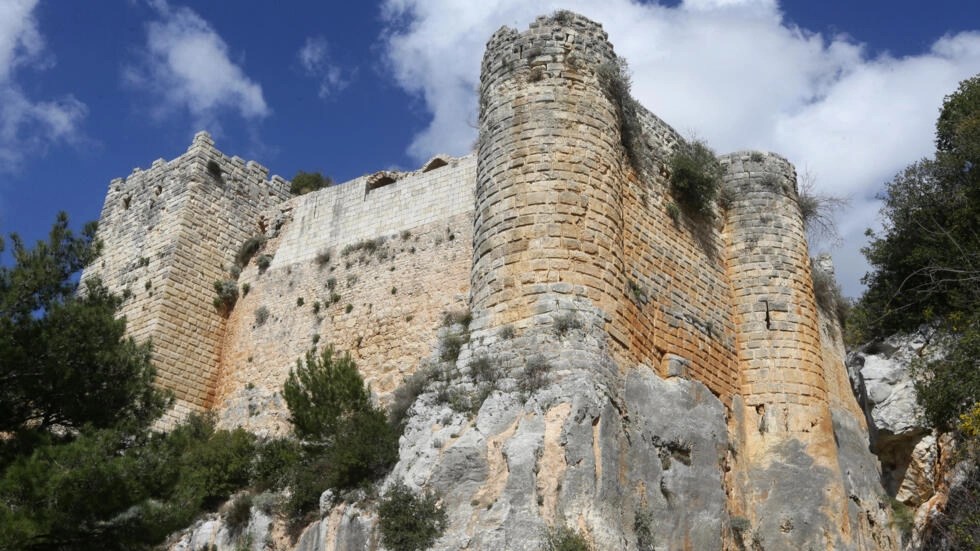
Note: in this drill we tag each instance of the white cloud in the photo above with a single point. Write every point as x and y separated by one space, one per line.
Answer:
731 71
187 65
314 57
27 125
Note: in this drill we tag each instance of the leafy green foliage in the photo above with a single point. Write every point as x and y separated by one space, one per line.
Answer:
695 177
226 295
950 387
322 391
111 489
563 538
274 462
365 448
80 469
926 261
64 360
305 182
348 442
409 391
409 522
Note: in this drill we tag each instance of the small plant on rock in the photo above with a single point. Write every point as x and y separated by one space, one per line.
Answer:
567 322
563 538
643 529
322 258
454 317
263 263
248 249
410 522
451 345
305 182
828 295
818 211
534 376
695 176
261 315
226 295
239 514
614 78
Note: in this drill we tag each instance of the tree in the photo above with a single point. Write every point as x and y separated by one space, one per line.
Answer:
305 182
64 359
112 489
926 262
348 441
322 392
409 522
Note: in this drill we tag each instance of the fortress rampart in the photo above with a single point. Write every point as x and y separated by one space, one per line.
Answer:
548 217
169 233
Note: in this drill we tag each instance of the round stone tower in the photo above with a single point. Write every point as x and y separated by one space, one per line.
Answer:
787 430
548 221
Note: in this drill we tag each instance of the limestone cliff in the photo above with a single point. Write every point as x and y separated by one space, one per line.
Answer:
648 377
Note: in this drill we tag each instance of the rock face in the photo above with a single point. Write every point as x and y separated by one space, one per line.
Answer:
921 468
590 454
906 449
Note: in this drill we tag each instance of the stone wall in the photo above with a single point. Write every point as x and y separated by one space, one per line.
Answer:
548 219
169 233
677 302
376 205
384 307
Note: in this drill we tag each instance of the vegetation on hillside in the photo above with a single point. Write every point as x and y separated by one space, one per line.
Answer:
926 270
79 466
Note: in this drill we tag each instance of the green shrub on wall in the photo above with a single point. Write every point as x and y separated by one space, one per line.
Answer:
695 177
305 182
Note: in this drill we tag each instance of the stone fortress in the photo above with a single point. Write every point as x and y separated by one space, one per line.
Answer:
699 380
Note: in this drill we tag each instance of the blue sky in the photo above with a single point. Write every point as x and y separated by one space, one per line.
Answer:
848 90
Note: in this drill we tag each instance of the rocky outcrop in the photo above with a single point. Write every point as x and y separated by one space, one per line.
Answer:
906 448
921 468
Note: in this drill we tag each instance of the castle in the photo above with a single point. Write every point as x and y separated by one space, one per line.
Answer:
548 219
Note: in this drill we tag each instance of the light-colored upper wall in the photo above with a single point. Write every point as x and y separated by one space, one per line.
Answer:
348 213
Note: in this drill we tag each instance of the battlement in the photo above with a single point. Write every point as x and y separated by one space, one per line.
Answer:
169 232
